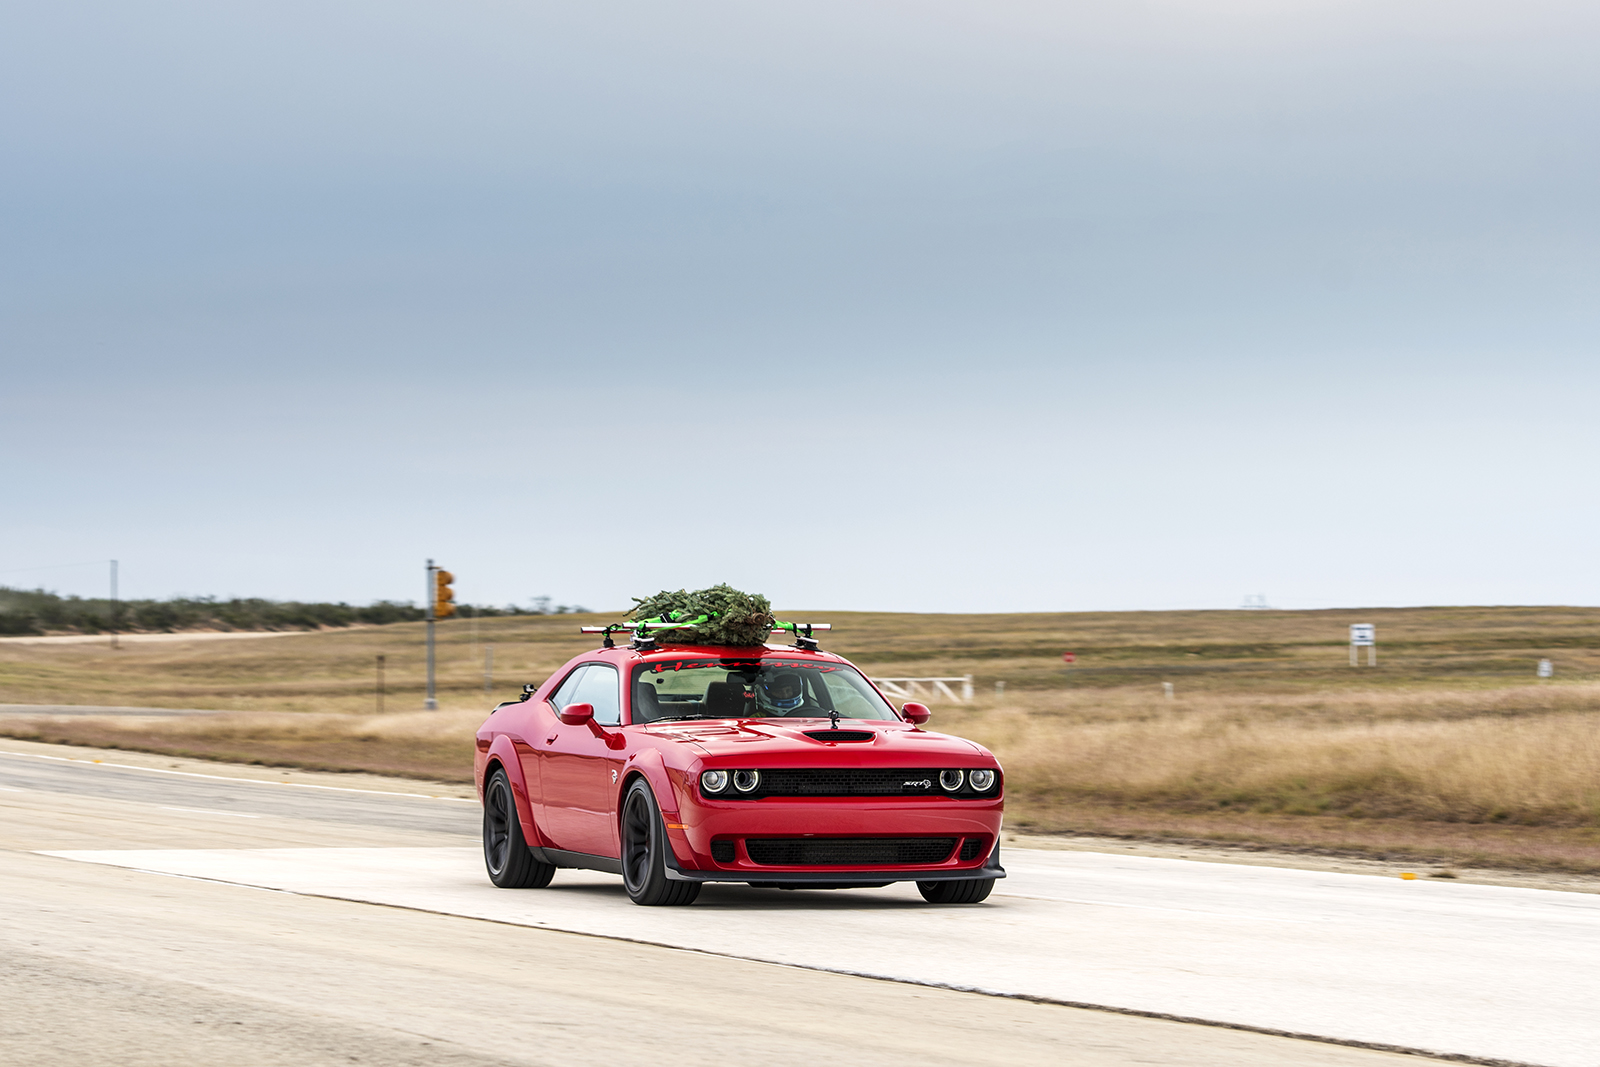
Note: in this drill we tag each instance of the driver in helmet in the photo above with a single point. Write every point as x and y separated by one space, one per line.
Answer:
781 693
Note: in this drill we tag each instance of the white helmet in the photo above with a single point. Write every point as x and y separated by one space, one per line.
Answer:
783 690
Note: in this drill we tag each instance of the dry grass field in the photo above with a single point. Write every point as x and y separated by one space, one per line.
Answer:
1450 750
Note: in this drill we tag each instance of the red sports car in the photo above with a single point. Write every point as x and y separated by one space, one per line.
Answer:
773 765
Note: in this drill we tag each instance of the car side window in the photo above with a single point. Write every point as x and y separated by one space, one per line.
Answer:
599 686
566 692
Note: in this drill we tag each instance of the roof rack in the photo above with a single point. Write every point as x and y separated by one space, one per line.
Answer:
777 627
802 632
644 630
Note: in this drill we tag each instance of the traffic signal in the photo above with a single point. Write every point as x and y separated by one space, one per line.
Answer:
443 596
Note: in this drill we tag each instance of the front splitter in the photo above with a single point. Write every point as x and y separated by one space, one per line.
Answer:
990 870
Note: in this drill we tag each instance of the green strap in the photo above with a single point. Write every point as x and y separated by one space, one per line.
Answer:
674 621
670 621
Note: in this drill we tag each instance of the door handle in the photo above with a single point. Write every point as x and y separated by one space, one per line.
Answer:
551 739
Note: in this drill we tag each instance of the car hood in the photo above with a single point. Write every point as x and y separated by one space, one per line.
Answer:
890 742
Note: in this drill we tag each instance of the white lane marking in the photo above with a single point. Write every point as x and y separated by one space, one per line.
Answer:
230 778
208 811
8 789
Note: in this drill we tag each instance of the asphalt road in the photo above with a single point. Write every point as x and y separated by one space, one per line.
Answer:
119 779
40 711
111 959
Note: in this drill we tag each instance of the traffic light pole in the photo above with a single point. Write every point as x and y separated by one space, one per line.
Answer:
431 704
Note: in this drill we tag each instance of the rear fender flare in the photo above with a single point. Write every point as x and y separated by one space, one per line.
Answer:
503 753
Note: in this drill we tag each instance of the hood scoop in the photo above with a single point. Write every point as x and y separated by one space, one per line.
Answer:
839 735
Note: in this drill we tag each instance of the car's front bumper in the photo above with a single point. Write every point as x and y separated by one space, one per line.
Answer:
851 876
698 827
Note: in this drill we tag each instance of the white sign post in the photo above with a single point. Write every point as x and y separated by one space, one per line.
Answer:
1546 669
1364 635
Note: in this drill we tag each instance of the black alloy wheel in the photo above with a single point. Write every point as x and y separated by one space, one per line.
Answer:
956 891
511 865
644 841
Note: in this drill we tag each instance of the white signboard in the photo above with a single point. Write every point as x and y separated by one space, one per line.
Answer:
1363 634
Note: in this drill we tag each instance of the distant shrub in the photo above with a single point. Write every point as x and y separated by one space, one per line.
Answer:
18 622
36 611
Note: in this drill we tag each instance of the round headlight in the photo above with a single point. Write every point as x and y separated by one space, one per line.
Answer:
983 781
950 781
745 781
713 781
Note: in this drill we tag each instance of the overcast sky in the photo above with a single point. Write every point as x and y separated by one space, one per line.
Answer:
905 306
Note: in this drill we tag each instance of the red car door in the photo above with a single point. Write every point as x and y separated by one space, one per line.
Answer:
541 729
580 769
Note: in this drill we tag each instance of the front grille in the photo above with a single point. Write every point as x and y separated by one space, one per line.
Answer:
722 851
849 851
971 849
853 782
840 735
846 782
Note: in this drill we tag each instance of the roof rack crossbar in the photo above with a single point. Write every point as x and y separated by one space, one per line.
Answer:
777 628
644 630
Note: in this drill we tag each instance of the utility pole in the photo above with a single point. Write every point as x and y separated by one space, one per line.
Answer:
380 683
441 605
430 703
114 604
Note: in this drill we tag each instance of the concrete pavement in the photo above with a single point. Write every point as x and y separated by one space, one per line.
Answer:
223 972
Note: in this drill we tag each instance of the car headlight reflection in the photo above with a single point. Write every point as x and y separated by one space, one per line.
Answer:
746 781
982 780
950 781
713 781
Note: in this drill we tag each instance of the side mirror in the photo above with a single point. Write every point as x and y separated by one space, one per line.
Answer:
916 713
577 714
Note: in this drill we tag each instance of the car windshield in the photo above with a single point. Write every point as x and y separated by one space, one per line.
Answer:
752 689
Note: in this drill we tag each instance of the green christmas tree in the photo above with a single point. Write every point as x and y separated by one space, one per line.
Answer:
720 615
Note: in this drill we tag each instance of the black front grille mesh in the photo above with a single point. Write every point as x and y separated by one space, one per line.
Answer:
971 849
722 851
853 782
846 782
849 851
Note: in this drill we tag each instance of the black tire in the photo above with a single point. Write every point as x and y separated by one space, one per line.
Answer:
644 845
505 853
956 891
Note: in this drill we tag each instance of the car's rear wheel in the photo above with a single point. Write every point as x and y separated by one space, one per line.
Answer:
644 845
956 891
505 852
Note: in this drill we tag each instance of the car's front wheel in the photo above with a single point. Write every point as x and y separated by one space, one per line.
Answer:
956 891
644 845
505 852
